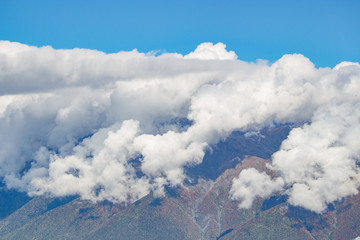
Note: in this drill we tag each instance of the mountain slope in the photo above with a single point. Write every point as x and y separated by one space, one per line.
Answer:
201 211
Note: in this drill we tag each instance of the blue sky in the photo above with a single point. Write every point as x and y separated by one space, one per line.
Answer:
327 32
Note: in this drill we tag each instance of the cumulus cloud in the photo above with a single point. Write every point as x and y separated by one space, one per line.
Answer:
209 51
317 164
323 157
118 126
319 161
251 184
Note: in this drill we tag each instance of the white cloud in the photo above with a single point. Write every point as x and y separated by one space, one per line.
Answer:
209 51
98 169
106 126
318 161
251 184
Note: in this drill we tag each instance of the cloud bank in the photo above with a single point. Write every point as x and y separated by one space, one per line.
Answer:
119 126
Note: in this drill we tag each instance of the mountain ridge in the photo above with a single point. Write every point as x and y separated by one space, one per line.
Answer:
201 211
198 209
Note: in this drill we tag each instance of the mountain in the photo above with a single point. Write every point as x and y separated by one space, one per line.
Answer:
200 209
